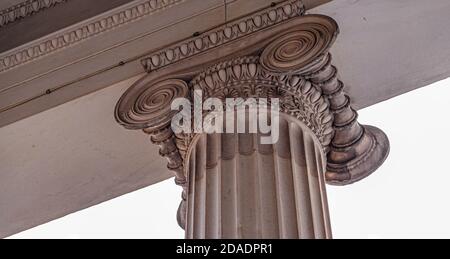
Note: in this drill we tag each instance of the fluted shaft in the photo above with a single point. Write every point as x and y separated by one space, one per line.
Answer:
240 188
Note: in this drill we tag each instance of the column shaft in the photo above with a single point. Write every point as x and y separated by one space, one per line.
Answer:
240 188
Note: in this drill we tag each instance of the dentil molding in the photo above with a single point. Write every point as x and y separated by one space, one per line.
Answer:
79 33
219 36
25 9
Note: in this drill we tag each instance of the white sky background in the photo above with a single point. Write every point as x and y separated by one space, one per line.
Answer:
406 198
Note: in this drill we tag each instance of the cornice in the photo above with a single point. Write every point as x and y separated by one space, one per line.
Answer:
84 31
219 36
24 9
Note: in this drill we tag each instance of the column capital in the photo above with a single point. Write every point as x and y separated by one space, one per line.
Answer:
277 52
287 50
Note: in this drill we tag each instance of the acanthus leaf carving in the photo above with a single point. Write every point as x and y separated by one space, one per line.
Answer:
245 78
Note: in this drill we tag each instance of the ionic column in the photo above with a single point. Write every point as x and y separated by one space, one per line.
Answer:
240 188
233 185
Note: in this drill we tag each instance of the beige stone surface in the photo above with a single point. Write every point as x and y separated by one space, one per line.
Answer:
387 48
69 158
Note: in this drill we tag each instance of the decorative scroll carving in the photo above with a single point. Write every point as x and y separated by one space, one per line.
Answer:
222 35
25 9
152 105
83 32
299 50
356 151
